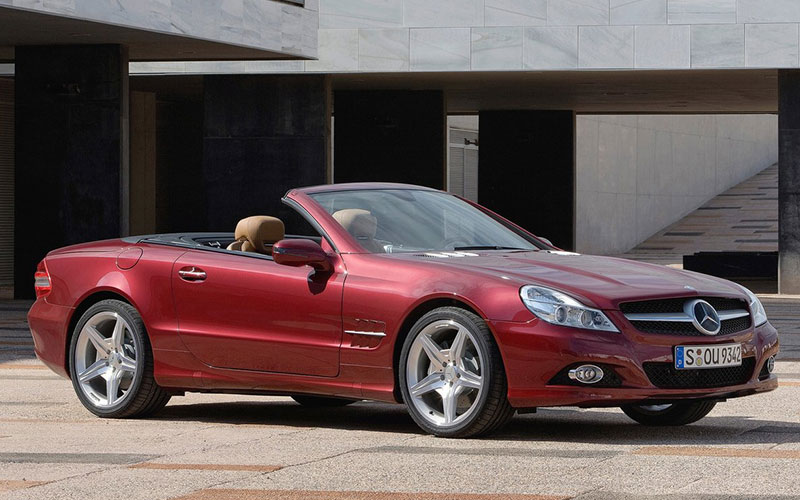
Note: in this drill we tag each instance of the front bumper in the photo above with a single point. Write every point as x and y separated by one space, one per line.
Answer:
535 352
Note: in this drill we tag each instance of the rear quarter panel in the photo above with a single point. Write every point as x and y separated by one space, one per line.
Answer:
78 276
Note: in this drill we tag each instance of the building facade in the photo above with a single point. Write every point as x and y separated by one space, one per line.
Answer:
213 98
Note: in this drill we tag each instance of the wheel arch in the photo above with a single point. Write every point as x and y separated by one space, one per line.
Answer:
83 305
419 310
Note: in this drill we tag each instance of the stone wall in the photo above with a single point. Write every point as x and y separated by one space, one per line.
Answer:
262 24
502 35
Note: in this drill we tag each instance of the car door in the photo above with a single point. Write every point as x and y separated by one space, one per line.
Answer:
246 312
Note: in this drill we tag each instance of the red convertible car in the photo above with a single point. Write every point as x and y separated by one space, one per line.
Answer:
400 294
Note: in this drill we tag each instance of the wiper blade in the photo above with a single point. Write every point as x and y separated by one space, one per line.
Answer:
488 247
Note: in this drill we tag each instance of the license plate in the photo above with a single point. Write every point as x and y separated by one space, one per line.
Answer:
693 357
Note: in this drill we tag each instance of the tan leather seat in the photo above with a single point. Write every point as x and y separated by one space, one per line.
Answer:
257 234
362 225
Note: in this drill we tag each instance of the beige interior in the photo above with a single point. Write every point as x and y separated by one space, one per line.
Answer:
257 234
362 225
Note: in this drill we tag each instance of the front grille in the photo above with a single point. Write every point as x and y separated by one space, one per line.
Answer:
735 325
676 305
661 306
610 377
665 376
683 328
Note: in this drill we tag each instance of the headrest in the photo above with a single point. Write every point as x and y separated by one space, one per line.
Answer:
260 230
360 223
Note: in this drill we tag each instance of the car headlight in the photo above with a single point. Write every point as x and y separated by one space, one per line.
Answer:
759 314
560 309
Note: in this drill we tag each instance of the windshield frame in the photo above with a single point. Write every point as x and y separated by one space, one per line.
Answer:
347 244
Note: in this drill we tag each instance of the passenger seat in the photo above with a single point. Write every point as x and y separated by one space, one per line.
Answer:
362 225
257 234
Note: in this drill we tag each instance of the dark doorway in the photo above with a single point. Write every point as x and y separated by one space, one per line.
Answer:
527 170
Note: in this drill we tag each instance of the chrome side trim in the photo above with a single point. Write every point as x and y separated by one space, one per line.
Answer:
368 334
683 318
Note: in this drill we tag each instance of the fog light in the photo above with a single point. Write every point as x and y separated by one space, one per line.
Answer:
771 364
587 374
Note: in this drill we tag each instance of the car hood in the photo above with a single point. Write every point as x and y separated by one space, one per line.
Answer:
600 281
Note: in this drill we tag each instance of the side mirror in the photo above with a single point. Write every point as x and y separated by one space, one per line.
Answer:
299 253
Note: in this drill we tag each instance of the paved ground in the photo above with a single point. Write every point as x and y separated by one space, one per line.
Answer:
218 447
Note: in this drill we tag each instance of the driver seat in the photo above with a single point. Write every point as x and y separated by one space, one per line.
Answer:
362 225
257 234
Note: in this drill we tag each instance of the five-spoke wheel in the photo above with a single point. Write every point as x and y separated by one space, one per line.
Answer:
452 375
444 372
111 363
105 358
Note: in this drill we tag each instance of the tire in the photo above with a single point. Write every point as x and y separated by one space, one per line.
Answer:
670 415
321 401
129 361
474 380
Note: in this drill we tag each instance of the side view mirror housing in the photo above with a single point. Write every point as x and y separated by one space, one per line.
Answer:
299 253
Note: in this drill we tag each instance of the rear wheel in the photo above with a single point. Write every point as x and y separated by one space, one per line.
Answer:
321 401
452 376
111 363
669 414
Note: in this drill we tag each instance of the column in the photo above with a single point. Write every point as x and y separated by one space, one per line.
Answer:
390 136
262 135
526 170
71 150
789 182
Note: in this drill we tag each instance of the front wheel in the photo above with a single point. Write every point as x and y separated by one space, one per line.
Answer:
669 414
111 363
452 376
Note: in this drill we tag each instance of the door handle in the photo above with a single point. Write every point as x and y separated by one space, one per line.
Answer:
191 273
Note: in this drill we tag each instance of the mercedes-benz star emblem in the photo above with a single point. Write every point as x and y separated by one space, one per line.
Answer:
704 316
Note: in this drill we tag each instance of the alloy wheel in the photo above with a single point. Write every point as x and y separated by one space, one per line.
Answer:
106 361
444 373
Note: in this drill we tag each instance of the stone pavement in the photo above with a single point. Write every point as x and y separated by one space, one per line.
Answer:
223 447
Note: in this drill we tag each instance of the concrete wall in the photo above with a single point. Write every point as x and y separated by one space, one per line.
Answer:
638 174
490 35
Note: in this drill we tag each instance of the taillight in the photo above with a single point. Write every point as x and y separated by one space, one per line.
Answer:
41 280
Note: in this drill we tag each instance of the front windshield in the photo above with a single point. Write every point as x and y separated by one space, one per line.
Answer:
406 220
